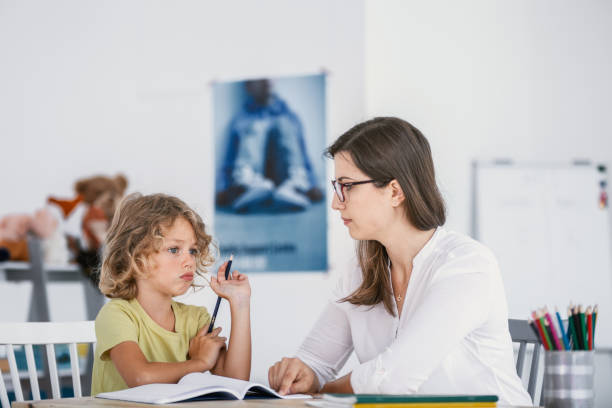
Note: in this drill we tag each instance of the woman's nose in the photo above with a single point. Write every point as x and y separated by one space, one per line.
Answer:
336 204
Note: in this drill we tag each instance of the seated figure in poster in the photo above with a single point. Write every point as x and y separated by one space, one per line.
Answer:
266 168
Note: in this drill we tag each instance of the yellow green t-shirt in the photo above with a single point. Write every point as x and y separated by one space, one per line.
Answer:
125 320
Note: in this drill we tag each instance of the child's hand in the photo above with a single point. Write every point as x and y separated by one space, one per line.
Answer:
206 346
236 289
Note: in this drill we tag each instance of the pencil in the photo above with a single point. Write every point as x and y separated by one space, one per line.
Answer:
543 335
570 328
589 319
536 323
577 328
595 311
535 330
214 316
553 331
547 330
562 329
585 345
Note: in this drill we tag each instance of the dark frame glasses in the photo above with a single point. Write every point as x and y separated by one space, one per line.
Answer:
339 187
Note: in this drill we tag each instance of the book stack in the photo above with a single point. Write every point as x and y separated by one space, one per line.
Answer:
403 401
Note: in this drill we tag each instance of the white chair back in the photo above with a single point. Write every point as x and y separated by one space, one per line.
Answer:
47 334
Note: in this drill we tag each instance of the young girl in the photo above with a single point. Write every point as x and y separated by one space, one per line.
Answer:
154 248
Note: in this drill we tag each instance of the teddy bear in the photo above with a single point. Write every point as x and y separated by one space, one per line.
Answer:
101 195
98 199
70 229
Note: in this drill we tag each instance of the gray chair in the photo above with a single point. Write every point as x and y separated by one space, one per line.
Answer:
523 334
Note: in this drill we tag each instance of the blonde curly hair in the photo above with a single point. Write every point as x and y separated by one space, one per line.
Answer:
136 233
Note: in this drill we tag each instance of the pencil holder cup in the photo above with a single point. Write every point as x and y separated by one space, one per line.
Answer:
569 379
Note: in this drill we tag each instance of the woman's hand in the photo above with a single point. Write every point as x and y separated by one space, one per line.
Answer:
293 376
236 289
206 347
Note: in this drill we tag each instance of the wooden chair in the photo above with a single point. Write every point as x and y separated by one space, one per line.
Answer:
523 334
48 334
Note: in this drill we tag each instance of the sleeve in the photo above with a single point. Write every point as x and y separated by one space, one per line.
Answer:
328 345
455 304
114 325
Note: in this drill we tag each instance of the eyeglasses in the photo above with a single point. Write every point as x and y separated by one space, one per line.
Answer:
339 187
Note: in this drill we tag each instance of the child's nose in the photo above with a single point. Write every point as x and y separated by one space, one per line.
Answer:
188 258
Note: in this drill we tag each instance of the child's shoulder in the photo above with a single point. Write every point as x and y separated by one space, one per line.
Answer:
117 307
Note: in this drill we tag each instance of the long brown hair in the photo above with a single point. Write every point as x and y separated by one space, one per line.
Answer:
137 232
388 148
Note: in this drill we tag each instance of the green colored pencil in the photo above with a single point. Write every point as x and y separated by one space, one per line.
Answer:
583 328
544 324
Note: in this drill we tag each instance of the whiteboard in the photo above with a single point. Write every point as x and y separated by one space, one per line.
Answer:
545 224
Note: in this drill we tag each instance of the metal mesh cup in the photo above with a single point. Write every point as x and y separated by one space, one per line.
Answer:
569 379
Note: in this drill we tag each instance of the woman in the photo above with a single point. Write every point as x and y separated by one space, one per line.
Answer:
425 310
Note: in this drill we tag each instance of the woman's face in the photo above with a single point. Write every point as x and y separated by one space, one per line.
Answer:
367 209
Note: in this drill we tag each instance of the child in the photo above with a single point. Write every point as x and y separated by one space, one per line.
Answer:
155 246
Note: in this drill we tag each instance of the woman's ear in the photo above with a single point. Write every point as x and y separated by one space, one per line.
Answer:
397 194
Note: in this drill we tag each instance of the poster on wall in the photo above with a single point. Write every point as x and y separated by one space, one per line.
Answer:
270 210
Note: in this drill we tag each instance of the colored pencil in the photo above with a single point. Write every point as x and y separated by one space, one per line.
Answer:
553 330
585 345
562 330
535 330
571 329
595 311
540 327
578 328
589 319
548 331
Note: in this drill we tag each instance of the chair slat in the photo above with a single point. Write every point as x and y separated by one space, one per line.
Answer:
48 334
10 352
32 372
55 389
521 358
4 401
76 376
533 373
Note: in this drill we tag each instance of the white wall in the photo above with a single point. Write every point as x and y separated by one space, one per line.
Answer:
486 79
527 80
89 86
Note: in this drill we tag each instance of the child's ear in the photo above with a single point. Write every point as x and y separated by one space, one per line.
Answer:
397 194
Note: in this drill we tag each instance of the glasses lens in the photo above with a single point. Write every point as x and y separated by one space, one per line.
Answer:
338 190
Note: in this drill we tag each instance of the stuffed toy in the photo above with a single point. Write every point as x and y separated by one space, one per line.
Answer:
77 224
14 229
101 195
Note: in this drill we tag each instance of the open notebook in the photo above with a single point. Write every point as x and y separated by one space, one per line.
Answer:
196 386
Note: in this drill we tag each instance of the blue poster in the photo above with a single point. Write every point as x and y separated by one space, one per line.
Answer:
270 209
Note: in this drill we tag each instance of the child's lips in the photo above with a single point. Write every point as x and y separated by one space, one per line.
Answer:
187 277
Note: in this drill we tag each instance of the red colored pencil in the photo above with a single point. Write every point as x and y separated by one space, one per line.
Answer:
540 330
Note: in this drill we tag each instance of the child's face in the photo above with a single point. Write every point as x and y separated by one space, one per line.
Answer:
175 262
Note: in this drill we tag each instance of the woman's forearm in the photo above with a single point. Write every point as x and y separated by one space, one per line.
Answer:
341 385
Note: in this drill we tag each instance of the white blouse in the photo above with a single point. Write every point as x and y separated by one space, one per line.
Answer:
452 337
